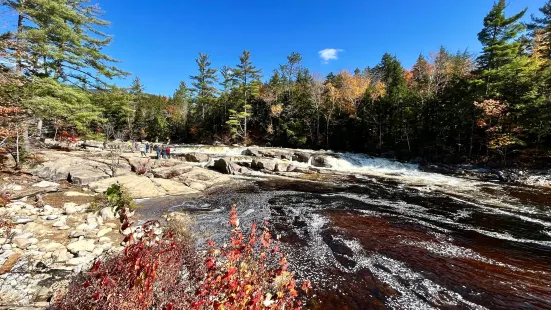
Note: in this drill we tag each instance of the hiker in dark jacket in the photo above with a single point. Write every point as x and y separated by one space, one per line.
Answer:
158 151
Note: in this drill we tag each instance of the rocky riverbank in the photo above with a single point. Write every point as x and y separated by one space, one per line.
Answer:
55 234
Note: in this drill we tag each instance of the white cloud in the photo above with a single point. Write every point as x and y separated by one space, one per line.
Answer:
329 54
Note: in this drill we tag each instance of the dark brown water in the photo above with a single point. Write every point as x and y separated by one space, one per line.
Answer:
380 243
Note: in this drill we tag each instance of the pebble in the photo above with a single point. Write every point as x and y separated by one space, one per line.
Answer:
23 221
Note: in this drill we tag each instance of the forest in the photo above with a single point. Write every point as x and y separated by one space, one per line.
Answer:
489 106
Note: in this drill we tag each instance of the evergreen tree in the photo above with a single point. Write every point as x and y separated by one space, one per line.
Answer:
62 39
203 84
500 47
247 78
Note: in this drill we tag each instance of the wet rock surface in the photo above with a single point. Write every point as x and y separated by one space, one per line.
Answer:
376 243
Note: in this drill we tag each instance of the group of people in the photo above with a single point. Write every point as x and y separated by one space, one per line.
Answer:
162 151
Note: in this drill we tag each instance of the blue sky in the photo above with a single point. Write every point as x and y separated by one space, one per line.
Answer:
159 40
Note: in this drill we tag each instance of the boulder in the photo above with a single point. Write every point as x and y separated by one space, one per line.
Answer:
81 245
171 172
72 168
61 255
226 166
252 152
107 214
70 208
197 157
266 164
21 242
204 176
301 157
137 186
281 167
320 161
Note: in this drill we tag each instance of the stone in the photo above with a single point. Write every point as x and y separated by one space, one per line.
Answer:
70 208
107 214
13 187
82 171
21 243
51 217
321 161
83 227
104 240
291 168
138 186
226 166
61 255
77 261
99 220
197 186
97 251
24 220
266 164
252 152
60 223
50 246
104 231
45 184
171 172
77 234
197 157
91 222
223 165
281 167
81 245
301 157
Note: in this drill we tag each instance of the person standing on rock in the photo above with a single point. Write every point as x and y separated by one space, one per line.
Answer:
163 151
147 148
158 151
168 151
142 151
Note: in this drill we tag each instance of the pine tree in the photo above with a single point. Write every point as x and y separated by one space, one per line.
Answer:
248 80
62 39
203 84
500 47
540 31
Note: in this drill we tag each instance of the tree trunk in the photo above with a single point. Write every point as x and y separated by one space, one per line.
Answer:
327 134
17 160
20 18
317 126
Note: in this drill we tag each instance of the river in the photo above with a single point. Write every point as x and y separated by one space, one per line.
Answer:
376 234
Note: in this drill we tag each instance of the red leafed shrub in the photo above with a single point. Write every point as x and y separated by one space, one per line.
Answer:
157 271
248 273
69 138
143 168
144 276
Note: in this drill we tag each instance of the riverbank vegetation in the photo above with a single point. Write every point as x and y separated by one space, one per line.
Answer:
449 106
163 270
